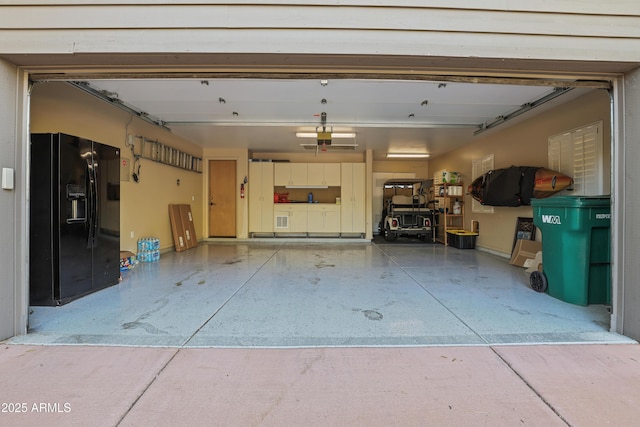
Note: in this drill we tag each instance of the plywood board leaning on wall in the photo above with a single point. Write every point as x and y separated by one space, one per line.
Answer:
189 227
182 227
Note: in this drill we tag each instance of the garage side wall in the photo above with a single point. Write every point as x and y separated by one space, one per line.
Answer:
144 211
524 144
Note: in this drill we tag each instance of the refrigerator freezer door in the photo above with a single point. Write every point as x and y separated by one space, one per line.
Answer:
59 261
75 258
43 263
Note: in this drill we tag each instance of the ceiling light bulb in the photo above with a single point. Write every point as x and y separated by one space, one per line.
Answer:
407 155
306 135
333 134
343 135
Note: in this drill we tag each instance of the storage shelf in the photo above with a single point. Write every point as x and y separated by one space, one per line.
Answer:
447 221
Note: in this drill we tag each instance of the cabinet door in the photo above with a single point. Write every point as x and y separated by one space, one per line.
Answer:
353 198
282 174
323 219
323 174
254 194
359 195
299 174
315 174
266 198
332 219
281 218
298 218
260 194
332 174
290 174
315 219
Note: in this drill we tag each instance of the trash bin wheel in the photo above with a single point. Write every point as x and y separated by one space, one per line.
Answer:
538 281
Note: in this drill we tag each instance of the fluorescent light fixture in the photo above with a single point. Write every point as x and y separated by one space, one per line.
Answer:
407 155
333 134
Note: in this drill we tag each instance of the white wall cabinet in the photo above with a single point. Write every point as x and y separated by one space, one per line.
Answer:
323 174
290 174
298 218
300 174
281 218
290 217
352 192
348 217
260 194
323 218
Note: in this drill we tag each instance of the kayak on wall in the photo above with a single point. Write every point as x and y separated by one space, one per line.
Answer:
517 185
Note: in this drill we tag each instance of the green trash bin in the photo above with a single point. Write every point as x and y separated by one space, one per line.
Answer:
576 247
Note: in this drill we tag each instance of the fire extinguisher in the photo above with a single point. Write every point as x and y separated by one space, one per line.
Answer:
242 191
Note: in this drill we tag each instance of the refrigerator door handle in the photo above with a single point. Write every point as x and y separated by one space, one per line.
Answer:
94 189
91 213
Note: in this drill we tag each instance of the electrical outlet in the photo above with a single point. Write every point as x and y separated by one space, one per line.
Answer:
193 198
132 234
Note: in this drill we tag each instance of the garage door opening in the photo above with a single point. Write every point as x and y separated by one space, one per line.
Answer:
381 127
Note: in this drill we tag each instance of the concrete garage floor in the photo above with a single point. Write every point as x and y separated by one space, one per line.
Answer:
320 335
292 294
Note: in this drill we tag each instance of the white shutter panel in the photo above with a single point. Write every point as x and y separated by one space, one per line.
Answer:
480 167
591 160
578 154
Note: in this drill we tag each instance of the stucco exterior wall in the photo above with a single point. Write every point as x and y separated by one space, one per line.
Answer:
628 203
549 30
13 202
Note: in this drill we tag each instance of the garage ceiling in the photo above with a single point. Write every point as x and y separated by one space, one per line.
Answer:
263 115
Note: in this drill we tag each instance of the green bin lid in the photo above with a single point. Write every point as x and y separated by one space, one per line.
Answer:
573 201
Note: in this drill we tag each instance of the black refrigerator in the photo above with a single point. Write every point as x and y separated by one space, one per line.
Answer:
74 218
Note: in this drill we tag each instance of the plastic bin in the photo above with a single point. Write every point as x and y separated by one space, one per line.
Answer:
462 239
576 247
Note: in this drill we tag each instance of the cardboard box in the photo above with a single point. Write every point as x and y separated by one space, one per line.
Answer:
524 250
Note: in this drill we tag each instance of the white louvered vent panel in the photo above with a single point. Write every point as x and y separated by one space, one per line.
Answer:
282 222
